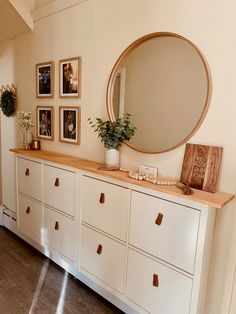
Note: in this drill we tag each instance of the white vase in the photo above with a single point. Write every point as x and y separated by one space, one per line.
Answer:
112 157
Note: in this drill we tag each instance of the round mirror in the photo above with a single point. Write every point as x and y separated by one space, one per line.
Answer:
163 81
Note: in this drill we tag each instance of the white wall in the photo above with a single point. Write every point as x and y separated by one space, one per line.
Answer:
233 298
99 31
8 130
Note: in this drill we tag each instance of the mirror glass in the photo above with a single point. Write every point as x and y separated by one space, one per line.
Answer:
163 81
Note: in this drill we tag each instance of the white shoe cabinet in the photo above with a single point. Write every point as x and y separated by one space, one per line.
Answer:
144 247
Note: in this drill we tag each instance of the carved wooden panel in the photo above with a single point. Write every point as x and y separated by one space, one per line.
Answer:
201 166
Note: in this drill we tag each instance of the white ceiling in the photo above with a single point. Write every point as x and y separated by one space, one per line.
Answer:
40 3
11 23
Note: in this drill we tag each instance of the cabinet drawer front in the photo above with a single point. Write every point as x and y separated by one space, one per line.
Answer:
103 258
59 232
155 287
105 206
169 231
30 178
59 189
30 218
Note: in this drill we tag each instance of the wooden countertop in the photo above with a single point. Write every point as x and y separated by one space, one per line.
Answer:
217 199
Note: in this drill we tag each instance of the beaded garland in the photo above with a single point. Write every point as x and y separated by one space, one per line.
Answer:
145 177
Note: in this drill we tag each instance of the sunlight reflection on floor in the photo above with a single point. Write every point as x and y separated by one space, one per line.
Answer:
39 285
60 305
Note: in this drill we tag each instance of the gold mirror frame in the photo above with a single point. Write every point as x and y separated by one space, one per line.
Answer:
126 53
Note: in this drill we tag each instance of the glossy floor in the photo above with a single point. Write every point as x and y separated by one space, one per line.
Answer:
31 283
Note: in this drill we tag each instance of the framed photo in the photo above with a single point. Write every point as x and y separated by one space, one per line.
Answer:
45 122
45 79
70 77
69 124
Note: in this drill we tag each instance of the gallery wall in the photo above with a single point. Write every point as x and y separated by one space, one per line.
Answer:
99 31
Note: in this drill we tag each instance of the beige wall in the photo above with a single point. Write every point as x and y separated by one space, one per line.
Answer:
99 31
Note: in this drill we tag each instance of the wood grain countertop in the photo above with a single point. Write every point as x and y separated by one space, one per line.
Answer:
217 199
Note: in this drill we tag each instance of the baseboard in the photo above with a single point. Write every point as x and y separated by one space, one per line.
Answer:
9 220
1 214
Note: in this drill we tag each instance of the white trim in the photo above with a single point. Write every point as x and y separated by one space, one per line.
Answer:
1 214
53 8
9 220
24 11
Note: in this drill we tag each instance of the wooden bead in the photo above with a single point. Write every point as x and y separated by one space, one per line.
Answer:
145 177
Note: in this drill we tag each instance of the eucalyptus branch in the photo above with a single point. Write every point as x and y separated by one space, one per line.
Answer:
113 133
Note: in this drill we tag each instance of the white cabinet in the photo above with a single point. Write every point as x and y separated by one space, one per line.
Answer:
169 231
29 176
145 249
103 257
165 231
105 206
155 287
59 189
46 205
59 232
30 218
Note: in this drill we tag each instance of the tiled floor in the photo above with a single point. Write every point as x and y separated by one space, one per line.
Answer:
31 283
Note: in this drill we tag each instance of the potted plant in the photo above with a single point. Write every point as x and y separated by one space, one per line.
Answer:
112 135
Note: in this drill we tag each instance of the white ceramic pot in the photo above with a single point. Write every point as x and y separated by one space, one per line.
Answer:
112 157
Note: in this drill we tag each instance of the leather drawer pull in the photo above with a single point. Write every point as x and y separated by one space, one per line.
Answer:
27 210
99 249
57 225
159 219
155 281
102 198
27 172
57 183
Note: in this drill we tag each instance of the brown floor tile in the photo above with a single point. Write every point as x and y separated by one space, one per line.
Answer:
31 283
